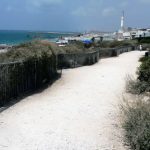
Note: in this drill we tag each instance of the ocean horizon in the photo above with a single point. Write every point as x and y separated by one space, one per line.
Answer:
14 37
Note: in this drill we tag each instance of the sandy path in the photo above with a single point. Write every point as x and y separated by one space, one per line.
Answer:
79 111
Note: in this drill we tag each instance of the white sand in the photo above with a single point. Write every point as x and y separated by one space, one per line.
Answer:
78 112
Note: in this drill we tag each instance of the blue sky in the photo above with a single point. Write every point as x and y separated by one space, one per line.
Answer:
73 15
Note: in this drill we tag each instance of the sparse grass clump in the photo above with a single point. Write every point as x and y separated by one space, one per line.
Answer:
136 122
135 86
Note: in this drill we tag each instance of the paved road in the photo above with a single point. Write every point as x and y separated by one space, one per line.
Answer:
78 112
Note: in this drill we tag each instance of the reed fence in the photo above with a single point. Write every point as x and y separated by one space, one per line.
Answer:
83 59
17 78
77 59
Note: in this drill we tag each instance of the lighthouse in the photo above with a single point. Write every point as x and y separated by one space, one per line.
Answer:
121 32
122 22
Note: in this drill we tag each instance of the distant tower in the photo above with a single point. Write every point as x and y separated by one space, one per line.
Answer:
122 22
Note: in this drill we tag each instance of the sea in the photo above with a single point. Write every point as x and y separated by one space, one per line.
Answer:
13 37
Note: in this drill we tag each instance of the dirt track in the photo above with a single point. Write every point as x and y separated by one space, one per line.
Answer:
78 112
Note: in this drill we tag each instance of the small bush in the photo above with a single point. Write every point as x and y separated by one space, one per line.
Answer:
143 59
136 123
142 84
144 71
144 40
102 44
145 46
136 87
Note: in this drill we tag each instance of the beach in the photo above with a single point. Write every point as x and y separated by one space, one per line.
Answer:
80 111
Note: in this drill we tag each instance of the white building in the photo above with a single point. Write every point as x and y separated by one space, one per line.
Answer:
127 35
142 33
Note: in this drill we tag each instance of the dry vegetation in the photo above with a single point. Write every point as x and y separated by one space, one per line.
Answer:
136 122
136 111
25 51
36 49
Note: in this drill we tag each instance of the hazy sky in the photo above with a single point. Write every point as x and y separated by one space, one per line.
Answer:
73 15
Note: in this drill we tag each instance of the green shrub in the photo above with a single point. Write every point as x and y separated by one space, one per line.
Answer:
117 44
145 46
113 44
144 71
136 123
142 84
143 59
145 40
102 44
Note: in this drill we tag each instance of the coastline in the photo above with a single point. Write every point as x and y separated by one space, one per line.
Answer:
15 37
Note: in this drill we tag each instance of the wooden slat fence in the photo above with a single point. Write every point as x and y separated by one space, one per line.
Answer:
18 78
89 58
